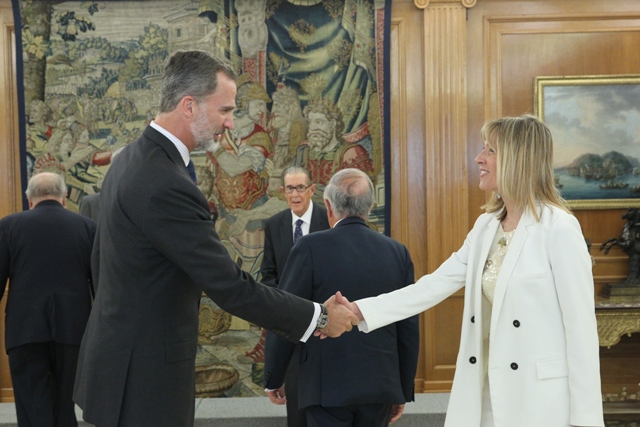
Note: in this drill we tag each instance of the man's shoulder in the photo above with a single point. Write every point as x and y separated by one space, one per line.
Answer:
320 209
276 219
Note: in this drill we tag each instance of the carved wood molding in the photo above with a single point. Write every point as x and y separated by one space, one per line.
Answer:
423 4
445 130
612 326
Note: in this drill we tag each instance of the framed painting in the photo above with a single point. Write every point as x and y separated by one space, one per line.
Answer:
595 123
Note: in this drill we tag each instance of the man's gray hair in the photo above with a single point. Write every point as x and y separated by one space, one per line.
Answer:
190 73
296 169
350 193
46 184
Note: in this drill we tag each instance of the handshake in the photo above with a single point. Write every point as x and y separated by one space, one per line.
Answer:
343 316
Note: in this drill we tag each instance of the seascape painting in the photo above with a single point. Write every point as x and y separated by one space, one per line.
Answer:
595 123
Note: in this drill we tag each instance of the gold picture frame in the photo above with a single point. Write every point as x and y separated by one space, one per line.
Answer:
595 123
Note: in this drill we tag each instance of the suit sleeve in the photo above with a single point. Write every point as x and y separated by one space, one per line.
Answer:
297 279
571 267
268 268
176 222
95 261
408 331
92 236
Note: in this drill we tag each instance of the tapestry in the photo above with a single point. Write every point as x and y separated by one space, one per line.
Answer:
313 90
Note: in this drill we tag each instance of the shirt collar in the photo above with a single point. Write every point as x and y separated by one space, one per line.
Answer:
182 149
306 217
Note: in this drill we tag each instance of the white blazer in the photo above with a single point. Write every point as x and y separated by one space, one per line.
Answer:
543 366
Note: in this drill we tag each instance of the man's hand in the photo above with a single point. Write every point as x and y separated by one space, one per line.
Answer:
277 396
396 413
341 319
352 306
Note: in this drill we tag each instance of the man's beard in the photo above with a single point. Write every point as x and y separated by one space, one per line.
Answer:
318 139
202 130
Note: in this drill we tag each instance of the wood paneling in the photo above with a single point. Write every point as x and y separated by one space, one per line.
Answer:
10 186
429 175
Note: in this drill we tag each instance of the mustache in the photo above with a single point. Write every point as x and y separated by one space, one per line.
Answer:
319 132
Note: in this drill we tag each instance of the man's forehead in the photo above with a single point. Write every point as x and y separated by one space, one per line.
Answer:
295 176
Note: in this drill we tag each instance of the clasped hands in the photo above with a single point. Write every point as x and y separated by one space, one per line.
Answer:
343 316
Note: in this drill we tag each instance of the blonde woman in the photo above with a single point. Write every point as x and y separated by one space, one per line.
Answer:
529 347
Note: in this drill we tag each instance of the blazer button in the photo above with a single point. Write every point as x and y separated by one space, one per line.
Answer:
472 359
516 323
514 366
473 319
286 335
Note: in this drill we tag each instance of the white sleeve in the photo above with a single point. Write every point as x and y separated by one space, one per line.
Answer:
431 289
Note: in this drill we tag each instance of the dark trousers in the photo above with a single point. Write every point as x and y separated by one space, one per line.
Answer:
43 375
375 415
295 417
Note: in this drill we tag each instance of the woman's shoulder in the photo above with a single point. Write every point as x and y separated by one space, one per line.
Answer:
557 216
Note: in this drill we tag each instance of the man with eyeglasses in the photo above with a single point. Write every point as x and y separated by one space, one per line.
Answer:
280 233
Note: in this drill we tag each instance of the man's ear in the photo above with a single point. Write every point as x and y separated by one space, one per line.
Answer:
188 105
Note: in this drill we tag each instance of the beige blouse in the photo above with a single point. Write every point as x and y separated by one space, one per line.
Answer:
494 262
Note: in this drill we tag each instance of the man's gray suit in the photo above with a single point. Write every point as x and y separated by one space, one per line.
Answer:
155 252
357 369
90 206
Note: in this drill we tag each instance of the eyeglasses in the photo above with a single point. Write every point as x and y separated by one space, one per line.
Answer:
299 188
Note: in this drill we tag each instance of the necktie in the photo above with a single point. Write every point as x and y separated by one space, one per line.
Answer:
192 172
298 231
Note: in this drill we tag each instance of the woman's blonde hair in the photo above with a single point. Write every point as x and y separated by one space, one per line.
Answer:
524 150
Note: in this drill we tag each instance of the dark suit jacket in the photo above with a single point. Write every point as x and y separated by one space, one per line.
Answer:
90 206
278 241
357 368
155 252
45 253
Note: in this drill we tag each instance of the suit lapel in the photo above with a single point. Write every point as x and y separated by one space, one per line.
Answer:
168 146
509 264
286 231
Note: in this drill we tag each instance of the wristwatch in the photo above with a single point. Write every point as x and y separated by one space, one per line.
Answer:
324 317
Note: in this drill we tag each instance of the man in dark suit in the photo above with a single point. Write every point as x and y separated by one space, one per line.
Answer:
157 250
359 380
280 231
45 253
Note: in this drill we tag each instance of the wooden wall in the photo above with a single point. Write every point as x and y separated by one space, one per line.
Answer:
10 186
437 113
454 65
